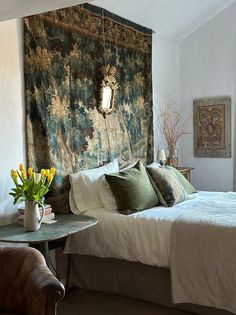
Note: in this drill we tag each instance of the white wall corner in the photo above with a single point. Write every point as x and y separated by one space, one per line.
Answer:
208 66
166 79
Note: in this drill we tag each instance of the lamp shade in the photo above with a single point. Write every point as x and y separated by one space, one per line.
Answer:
161 156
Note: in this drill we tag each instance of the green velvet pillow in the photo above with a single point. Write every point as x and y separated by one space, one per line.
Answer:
183 180
168 185
132 189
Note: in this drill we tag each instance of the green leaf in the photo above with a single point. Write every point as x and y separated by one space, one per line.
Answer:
15 189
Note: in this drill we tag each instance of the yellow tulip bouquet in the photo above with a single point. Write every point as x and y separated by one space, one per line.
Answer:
31 186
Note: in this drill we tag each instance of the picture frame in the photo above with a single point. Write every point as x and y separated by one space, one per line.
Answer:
212 127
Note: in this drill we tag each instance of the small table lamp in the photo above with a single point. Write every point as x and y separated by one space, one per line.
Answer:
161 156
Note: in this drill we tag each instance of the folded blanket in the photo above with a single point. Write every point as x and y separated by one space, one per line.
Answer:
203 254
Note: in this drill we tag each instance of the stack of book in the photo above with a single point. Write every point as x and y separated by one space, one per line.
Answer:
48 214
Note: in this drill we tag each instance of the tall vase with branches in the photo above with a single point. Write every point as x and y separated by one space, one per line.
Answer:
173 125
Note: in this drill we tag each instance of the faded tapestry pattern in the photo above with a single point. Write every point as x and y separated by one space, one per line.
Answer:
64 52
212 127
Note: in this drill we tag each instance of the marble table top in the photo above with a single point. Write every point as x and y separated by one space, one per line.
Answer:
65 225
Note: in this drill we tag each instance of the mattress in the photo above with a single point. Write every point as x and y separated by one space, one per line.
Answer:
141 237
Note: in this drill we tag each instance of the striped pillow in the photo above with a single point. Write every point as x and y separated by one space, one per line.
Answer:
168 185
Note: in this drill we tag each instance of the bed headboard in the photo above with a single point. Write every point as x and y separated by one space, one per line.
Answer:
64 50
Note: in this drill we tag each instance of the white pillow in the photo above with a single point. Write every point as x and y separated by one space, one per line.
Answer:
72 203
85 187
107 197
154 165
129 165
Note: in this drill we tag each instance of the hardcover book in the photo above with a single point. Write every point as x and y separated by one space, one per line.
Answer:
46 217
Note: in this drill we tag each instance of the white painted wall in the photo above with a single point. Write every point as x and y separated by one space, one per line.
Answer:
208 68
11 112
166 80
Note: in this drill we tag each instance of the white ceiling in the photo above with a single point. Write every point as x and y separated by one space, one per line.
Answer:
11 9
175 18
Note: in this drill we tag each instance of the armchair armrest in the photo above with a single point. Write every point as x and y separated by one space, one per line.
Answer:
29 287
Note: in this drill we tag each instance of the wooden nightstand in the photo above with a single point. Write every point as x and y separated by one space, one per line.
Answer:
186 171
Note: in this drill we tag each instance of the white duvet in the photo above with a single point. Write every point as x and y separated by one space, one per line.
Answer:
141 237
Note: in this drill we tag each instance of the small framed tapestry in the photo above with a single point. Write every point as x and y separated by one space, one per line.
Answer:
212 127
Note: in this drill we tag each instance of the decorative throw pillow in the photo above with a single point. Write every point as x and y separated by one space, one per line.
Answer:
85 187
183 180
132 189
169 186
158 193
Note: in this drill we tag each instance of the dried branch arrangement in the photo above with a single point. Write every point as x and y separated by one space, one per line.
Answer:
172 125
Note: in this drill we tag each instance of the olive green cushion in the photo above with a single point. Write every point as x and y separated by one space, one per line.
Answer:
183 180
168 185
132 189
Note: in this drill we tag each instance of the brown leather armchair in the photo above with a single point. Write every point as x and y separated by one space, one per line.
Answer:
27 286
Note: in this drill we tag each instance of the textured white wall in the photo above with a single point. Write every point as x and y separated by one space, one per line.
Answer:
166 79
208 68
11 112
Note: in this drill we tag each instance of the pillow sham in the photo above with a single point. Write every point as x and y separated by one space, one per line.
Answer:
107 197
132 189
72 203
183 180
154 164
85 187
169 186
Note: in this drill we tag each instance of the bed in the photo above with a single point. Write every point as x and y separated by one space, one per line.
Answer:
146 255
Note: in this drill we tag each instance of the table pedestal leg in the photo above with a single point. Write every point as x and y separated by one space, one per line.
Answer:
44 250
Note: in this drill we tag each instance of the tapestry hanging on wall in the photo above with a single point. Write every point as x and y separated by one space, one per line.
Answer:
212 127
64 52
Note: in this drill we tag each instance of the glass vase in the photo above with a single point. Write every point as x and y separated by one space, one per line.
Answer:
172 156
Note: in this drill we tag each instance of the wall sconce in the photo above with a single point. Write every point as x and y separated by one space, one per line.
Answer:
161 156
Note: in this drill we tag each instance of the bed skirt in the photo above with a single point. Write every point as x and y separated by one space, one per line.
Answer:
131 279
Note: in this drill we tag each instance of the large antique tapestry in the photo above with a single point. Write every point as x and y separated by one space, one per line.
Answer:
64 53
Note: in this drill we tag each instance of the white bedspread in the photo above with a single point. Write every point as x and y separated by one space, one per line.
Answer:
203 254
143 236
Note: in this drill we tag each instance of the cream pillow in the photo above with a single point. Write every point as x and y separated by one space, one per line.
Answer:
72 203
85 187
154 165
106 195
